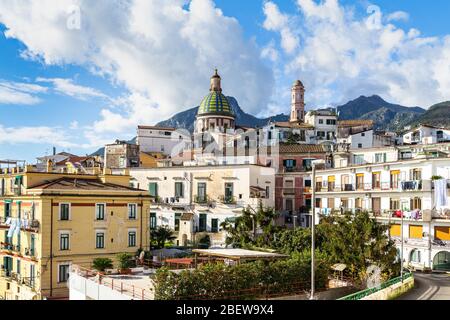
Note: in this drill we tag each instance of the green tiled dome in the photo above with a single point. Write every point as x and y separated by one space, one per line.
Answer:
215 103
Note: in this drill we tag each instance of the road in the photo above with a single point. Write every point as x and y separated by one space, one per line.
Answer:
432 286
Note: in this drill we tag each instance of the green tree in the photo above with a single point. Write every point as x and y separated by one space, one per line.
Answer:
160 235
101 264
252 227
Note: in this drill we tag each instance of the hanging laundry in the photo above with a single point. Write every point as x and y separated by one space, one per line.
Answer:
12 227
440 193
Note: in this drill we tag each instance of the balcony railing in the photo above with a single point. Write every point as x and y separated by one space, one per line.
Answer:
9 247
26 224
413 185
201 199
228 199
289 191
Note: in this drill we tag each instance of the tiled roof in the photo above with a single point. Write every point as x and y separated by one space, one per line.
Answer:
287 124
301 148
354 123
82 184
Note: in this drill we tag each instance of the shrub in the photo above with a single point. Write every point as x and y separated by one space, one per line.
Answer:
100 264
125 260
245 281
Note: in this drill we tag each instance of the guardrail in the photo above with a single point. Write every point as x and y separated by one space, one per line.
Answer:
367 292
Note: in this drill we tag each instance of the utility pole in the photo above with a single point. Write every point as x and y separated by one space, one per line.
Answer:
401 253
313 225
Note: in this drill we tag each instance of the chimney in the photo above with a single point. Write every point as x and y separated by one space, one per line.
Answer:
54 151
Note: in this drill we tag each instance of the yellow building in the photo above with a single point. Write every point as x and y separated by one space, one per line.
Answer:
49 221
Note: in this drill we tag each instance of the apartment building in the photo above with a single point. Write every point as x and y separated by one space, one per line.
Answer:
50 220
390 190
194 200
426 134
161 139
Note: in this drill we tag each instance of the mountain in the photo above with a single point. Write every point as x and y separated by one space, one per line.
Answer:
437 115
385 115
186 118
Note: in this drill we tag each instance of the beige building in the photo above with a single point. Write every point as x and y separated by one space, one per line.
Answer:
49 221
195 200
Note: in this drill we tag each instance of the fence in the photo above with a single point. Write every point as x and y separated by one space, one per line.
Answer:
367 292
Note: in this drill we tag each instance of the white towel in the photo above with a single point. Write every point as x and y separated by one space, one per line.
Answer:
12 228
440 193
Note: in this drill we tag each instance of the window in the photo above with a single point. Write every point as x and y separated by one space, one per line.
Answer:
395 174
331 183
153 189
416 174
201 192
202 222
289 205
360 145
18 266
215 225
394 204
360 181
132 211
308 183
320 121
307 164
289 164
331 122
7 209
376 180
416 203
100 240
267 192
100 211
152 220
64 241
179 190
32 245
63 274
229 194
132 238
358 203
177 221
64 211
415 256
363 134
358 159
380 157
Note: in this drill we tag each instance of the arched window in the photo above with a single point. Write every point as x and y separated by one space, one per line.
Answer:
415 256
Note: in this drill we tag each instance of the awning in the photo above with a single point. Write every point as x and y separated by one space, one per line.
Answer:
339 267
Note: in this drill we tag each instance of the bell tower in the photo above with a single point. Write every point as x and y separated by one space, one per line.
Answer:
297 102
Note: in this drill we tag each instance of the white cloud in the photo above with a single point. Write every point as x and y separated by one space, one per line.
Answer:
36 135
161 50
19 93
276 21
343 56
67 87
270 52
398 16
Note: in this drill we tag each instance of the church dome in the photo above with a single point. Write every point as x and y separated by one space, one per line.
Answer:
215 103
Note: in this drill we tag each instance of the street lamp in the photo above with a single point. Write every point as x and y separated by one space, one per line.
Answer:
313 223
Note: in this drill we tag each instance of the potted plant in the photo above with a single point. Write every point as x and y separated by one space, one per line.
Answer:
125 263
101 264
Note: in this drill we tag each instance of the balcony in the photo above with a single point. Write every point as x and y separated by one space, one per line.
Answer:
203 200
411 185
288 191
26 225
9 247
228 199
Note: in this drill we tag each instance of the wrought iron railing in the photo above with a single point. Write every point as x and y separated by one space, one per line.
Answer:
367 292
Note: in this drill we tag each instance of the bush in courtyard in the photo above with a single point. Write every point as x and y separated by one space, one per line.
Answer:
101 264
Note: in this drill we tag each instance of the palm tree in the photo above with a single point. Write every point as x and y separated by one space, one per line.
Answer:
162 234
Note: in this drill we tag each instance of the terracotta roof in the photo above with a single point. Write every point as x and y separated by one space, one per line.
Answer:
287 124
82 184
354 123
301 148
73 159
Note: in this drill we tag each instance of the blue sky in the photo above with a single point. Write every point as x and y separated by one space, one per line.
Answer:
79 88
